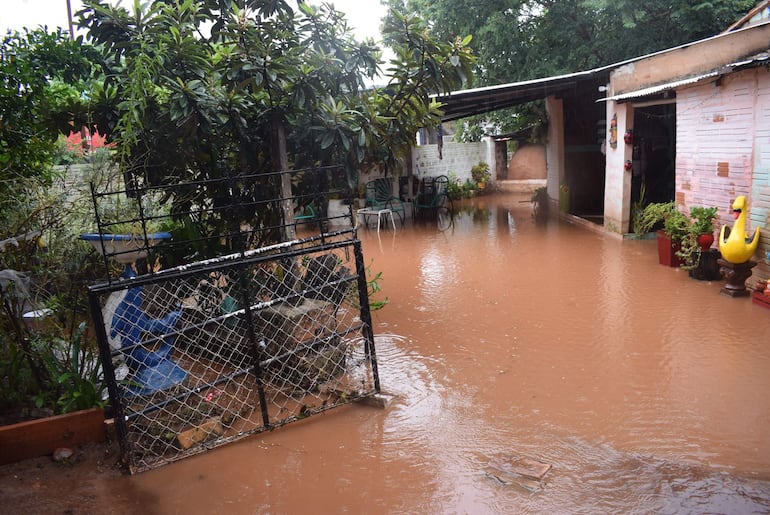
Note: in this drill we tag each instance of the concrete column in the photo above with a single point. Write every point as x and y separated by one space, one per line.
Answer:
617 189
554 150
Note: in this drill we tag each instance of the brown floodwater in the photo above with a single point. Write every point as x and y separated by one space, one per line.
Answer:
647 391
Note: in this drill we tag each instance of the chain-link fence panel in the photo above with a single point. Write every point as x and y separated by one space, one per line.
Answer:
204 353
210 354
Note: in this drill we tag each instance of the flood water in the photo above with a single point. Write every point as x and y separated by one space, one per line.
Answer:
647 391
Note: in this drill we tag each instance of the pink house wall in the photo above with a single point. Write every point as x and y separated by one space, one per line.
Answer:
723 147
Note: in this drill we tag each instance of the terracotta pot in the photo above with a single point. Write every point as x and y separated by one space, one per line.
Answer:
705 241
666 251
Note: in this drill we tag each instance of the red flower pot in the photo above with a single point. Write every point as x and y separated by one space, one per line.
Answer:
705 241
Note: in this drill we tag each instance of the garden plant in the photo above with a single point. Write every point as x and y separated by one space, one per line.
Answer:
185 92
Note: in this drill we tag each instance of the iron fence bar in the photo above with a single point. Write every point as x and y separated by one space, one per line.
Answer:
366 314
186 395
254 307
229 377
314 345
99 227
251 257
145 188
167 187
251 335
109 371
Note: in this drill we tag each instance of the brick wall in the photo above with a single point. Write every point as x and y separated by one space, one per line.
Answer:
458 158
723 149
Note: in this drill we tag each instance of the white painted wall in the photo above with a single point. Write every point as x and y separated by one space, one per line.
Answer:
617 183
458 158
554 150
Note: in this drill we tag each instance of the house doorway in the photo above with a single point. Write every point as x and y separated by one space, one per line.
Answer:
654 153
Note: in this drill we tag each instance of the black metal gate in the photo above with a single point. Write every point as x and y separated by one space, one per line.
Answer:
213 350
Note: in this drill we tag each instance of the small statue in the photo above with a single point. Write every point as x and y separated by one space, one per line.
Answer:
735 245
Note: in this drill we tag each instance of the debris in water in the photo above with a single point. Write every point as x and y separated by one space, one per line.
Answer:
380 400
520 471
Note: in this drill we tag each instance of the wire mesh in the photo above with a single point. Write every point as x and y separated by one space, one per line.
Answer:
211 351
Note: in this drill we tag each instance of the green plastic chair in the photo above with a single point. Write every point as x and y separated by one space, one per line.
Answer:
306 215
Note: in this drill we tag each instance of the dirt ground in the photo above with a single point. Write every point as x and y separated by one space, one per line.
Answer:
41 485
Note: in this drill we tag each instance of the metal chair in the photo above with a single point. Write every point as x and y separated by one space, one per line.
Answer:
305 215
379 196
433 195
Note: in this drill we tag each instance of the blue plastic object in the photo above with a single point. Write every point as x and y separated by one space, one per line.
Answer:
152 370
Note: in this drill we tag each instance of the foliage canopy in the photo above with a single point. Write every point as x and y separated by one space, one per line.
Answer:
517 40
42 77
196 89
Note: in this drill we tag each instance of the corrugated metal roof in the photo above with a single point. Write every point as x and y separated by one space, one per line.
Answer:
468 102
659 88
463 103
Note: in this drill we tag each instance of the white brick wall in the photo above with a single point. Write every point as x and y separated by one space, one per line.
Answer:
458 158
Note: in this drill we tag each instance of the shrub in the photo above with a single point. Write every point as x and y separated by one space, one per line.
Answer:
480 172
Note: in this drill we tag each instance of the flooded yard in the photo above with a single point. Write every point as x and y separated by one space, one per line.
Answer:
646 390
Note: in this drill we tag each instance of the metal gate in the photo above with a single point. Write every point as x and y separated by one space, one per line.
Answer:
211 351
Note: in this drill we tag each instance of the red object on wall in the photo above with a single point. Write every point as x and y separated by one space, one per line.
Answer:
628 137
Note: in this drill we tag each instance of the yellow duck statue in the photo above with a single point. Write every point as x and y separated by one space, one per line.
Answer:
735 245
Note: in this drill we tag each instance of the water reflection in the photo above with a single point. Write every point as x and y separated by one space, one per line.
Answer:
645 389
580 350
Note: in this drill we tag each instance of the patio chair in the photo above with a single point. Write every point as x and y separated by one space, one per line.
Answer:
379 195
305 215
433 195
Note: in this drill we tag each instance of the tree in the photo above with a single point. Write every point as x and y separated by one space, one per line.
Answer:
42 76
196 90
518 40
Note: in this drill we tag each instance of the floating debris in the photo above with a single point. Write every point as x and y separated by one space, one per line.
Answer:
523 472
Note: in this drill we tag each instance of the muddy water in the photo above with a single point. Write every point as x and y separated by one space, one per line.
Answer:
646 390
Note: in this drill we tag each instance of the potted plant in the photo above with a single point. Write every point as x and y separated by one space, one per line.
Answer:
676 226
697 242
651 217
672 226
703 225
480 174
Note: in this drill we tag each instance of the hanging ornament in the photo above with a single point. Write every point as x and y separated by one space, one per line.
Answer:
628 137
628 165
614 131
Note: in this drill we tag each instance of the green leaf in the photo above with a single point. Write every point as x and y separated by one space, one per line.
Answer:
327 140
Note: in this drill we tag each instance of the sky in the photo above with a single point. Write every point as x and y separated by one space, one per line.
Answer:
362 15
